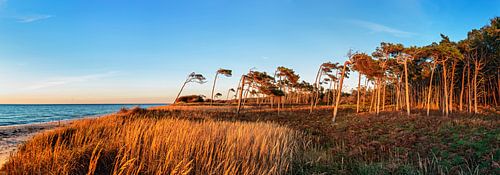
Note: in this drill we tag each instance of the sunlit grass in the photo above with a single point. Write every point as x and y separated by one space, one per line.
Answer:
213 140
120 144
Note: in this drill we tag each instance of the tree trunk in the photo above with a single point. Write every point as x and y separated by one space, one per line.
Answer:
462 90
430 89
339 93
383 95
452 84
315 90
397 93
372 101
359 89
240 95
213 88
185 82
469 90
329 93
498 82
445 90
476 72
492 86
407 89
379 87
365 94
279 104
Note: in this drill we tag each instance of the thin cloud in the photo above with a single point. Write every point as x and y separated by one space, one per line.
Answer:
32 18
70 80
375 27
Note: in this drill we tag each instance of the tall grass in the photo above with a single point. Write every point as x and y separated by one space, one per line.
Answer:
119 144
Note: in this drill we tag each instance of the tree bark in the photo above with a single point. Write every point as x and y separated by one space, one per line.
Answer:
397 93
476 72
445 90
383 95
462 90
240 95
185 82
469 90
315 90
379 87
213 88
407 89
359 89
452 83
372 101
279 104
339 93
430 89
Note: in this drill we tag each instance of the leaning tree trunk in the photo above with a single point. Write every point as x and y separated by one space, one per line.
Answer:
339 93
430 89
315 90
213 88
240 95
359 89
185 82
407 90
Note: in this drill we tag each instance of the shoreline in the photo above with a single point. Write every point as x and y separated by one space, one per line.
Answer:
14 135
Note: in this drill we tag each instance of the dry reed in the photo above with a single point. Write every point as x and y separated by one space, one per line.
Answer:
119 144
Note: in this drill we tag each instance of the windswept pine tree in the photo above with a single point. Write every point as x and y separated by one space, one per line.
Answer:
360 63
345 69
286 80
217 95
226 72
192 77
324 69
228 92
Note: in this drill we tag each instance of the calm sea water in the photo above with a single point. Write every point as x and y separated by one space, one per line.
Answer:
25 114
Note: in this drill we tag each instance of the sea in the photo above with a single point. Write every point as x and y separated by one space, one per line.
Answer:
18 114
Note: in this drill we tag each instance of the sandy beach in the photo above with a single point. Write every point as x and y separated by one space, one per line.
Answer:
12 136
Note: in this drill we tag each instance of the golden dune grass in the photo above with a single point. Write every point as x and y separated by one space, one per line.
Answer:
118 144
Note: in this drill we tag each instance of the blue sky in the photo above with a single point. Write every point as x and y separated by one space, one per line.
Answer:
115 51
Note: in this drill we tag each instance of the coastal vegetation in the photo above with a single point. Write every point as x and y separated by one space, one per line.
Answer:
138 141
212 140
447 76
431 109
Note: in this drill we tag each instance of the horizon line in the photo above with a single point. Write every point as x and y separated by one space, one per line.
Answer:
85 103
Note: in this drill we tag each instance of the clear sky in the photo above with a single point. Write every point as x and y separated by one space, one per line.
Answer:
119 51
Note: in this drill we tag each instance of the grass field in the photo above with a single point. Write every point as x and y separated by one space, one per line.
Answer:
203 140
